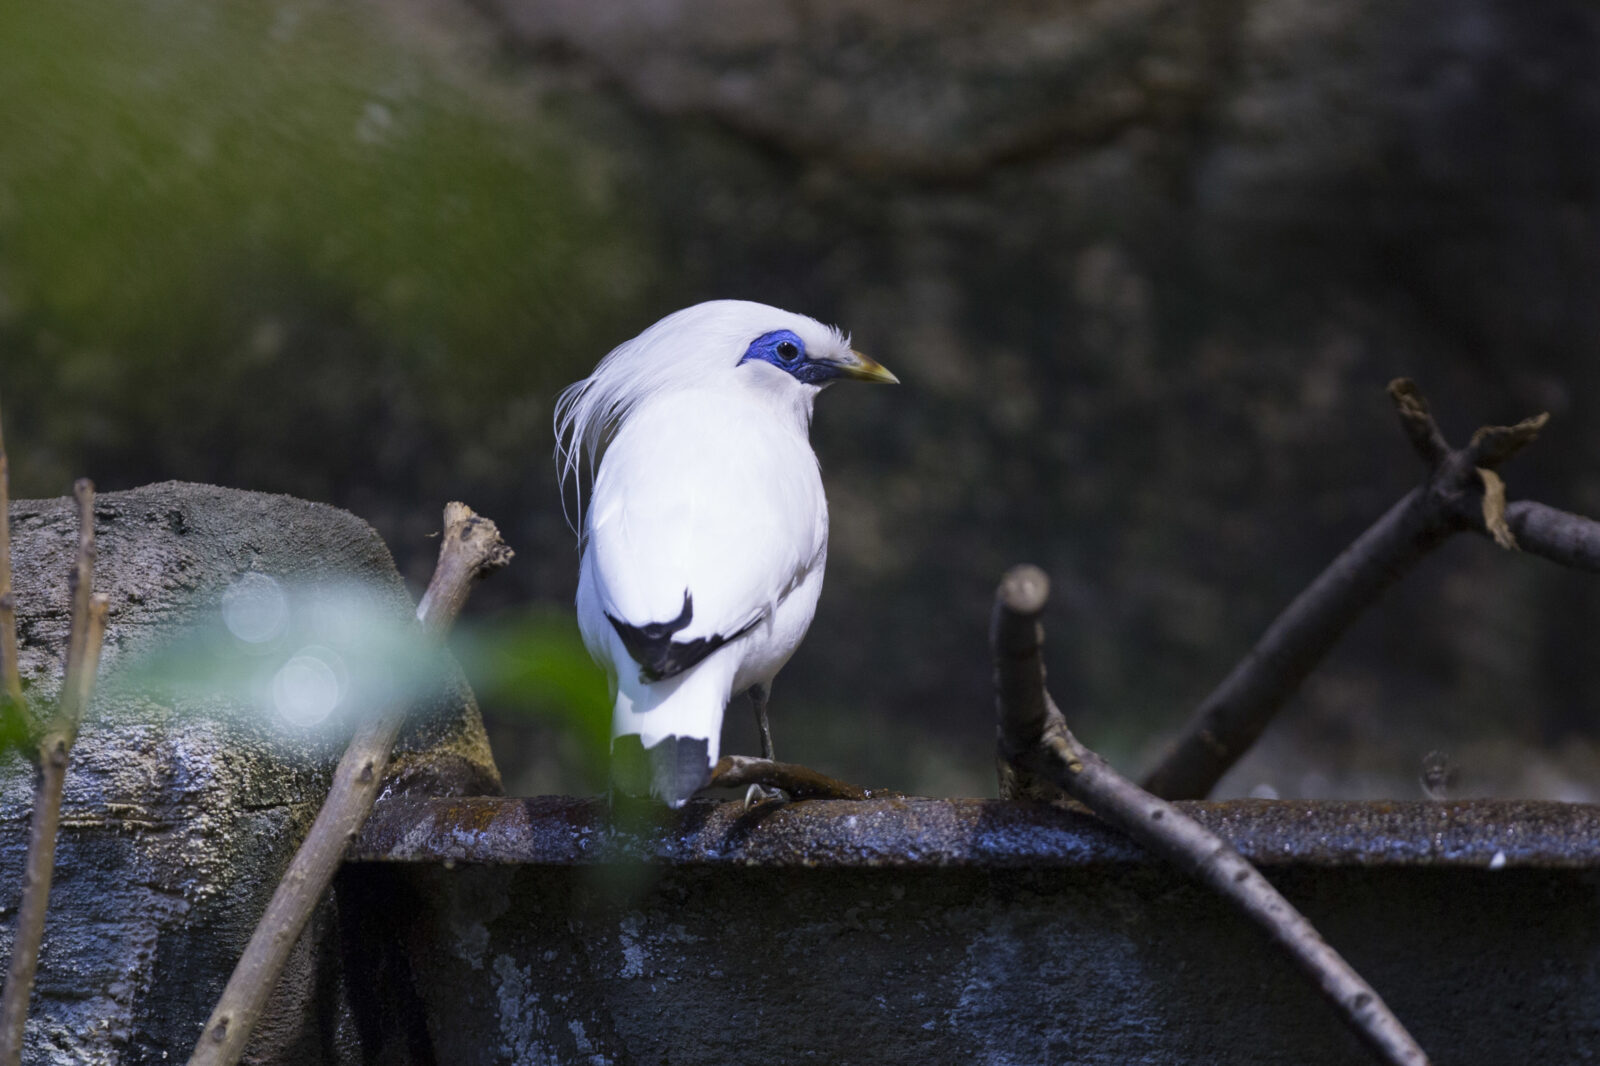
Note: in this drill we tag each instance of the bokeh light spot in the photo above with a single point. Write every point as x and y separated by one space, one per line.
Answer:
307 688
255 609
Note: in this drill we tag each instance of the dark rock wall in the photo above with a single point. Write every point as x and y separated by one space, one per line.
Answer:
1144 268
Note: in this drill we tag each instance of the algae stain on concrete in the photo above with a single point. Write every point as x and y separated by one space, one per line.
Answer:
522 1022
633 952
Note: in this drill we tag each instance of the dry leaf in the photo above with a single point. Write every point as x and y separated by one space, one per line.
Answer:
1494 509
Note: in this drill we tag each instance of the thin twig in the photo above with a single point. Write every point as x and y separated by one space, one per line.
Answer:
471 548
80 582
1461 492
800 782
84 641
1035 741
10 674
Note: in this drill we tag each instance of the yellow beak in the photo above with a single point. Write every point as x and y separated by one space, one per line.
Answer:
861 368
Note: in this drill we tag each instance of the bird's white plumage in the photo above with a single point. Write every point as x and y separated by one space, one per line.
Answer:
730 509
706 486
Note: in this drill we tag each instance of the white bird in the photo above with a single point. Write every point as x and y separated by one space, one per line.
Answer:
706 529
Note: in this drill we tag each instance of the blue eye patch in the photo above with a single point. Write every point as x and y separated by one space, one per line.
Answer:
786 351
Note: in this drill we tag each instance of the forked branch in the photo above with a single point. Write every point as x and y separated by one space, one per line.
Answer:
1462 491
84 641
471 548
1046 759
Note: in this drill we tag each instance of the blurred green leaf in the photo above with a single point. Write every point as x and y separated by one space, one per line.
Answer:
533 662
299 655
14 731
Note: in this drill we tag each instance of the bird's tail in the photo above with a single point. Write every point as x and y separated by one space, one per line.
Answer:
666 734
671 770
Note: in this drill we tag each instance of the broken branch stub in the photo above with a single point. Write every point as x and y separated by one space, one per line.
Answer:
1057 762
1492 445
1015 633
470 549
1416 419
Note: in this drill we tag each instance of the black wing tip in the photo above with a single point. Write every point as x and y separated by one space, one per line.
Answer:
671 770
658 655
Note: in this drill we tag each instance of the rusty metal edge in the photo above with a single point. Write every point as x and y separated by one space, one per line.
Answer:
972 833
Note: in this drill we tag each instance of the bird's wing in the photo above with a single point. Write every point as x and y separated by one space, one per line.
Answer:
704 516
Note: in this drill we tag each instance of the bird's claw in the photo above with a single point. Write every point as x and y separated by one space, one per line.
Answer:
755 796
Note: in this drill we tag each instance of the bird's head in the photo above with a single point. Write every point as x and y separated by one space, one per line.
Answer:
732 345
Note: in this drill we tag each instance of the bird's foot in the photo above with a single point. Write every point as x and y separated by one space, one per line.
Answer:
756 795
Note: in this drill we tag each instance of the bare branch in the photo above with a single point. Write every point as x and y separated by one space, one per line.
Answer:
80 581
471 548
1049 756
84 642
800 782
10 676
1461 491
1236 712
1569 539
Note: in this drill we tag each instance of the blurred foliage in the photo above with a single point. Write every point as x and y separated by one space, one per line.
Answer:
315 659
533 663
294 203
305 657
14 732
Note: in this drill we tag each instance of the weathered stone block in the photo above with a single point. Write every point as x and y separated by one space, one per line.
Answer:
181 810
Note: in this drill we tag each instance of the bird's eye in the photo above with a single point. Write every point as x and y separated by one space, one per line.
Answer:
788 351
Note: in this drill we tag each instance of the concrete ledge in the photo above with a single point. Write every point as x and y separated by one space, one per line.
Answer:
913 931
912 832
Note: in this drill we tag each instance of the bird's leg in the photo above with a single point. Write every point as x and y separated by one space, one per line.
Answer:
759 694
755 794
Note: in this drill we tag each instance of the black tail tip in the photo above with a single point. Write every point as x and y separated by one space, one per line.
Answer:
671 770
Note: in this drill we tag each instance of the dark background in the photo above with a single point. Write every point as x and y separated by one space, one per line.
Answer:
1143 267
